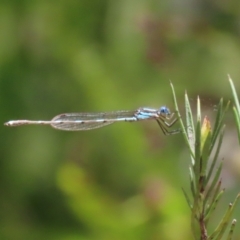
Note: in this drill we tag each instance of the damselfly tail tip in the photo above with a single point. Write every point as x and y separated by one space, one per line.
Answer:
9 123
12 123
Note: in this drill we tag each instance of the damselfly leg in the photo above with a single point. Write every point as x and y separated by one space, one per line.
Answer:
165 125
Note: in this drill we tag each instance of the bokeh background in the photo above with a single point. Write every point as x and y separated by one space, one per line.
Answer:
123 181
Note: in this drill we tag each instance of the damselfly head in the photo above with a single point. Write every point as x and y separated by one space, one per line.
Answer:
164 110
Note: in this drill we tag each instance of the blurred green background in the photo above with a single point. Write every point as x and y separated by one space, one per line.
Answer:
123 181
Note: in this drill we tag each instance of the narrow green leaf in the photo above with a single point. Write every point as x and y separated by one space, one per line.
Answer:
215 156
230 234
236 110
181 121
214 182
214 197
189 120
188 199
235 96
218 126
213 206
218 116
237 119
216 191
198 109
222 224
219 231
197 166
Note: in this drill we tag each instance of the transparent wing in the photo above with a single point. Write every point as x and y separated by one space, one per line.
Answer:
88 121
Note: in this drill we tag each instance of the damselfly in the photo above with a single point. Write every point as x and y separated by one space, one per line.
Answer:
88 121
